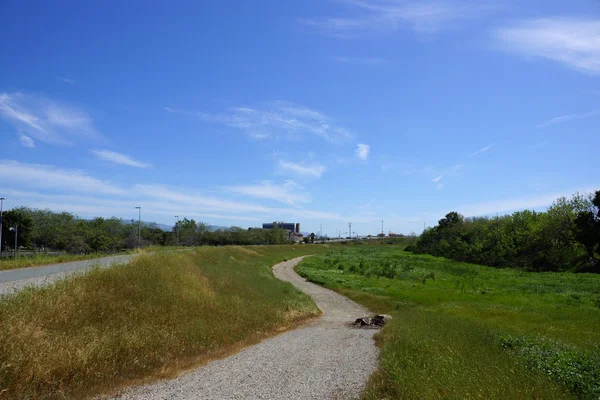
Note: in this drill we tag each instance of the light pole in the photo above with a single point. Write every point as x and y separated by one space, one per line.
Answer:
177 230
16 230
1 201
139 226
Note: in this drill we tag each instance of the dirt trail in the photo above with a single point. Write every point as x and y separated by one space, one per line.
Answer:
326 359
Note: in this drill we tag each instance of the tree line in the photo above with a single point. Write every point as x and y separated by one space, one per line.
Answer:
45 230
565 237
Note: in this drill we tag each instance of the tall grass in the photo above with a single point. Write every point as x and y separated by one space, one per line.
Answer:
150 318
452 320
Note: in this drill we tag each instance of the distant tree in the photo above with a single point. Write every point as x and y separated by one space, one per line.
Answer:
20 217
587 224
312 237
587 231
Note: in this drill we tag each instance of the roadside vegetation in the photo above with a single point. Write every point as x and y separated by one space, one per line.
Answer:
44 259
148 319
40 231
565 237
38 259
462 330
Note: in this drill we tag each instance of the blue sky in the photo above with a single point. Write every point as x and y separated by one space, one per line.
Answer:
318 112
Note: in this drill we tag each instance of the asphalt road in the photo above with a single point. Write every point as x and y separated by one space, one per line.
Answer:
16 279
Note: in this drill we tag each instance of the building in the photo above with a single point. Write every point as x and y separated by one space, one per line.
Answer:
293 227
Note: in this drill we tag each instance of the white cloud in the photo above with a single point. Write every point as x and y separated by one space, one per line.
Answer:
424 17
49 177
44 119
305 170
439 186
118 158
482 150
369 204
572 42
277 120
362 151
76 191
570 117
26 140
453 170
522 203
289 192
66 80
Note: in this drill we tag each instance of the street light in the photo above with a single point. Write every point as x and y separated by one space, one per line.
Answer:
139 226
16 230
1 201
177 230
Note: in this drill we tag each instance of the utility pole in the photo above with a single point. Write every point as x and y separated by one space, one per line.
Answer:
139 226
16 229
1 201
177 216
382 228
321 231
350 229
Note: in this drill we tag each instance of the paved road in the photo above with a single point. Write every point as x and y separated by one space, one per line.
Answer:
16 279
327 359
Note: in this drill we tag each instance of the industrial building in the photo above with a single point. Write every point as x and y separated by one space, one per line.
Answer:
293 227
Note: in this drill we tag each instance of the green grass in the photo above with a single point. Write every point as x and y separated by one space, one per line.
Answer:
453 321
151 318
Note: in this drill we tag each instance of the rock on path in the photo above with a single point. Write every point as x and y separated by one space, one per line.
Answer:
326 359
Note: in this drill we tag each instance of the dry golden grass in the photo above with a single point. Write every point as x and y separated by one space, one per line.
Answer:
151 318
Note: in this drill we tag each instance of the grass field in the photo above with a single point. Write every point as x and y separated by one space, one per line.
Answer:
152 318
467 331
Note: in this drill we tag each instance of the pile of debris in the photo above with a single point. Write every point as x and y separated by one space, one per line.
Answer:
377 321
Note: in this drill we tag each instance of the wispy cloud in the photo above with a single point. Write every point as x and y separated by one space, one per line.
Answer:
49 177
310 170
365 206
45 120
439 186
66 80
77 191
362 151
444 173
572 42
570 117
277 120
357 60
118 158
521 203
289 192
26 140
482 150
383 16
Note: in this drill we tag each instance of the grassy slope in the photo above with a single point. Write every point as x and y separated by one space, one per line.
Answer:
161 313
443 342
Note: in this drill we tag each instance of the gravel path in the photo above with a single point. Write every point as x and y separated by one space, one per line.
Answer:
13 280
326 359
